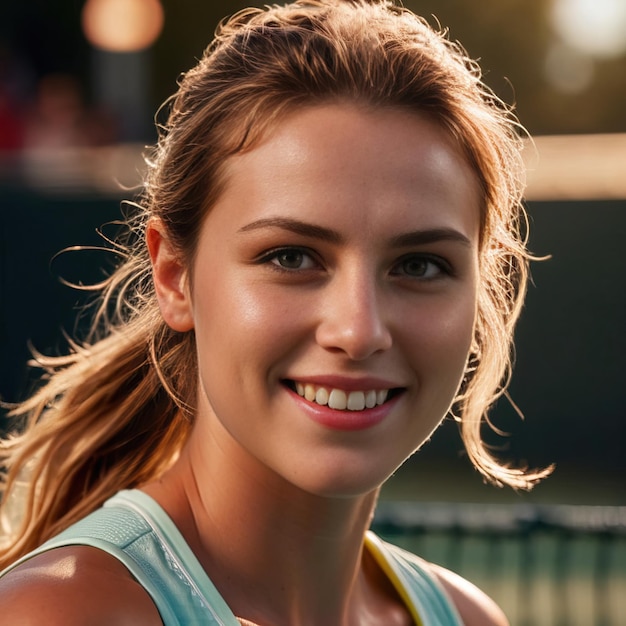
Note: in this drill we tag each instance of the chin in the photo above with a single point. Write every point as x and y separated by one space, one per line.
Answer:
350 479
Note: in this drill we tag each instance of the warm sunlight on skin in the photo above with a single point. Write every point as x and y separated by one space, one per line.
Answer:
60 569
338 267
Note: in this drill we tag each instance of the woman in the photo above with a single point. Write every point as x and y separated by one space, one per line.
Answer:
325 261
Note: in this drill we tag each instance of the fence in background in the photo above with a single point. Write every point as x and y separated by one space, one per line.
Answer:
551 565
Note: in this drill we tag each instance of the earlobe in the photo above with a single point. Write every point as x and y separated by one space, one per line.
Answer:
170 278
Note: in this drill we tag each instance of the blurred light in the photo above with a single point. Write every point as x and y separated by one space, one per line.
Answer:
567 70
593 27
122 25
576 167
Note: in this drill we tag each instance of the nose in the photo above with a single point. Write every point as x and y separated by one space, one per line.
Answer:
353 319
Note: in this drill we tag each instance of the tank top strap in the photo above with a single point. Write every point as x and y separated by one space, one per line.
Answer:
416 584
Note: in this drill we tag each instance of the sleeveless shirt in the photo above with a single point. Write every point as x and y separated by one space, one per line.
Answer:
132 527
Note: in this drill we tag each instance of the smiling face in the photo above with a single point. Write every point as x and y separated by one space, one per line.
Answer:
333 296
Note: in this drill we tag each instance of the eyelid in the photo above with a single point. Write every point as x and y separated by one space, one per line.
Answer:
269 255
444 266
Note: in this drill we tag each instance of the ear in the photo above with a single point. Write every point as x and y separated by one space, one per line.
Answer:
170 278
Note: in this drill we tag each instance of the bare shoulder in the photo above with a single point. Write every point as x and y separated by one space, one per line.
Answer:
75 585
475 606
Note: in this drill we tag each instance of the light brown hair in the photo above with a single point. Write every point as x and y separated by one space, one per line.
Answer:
117 410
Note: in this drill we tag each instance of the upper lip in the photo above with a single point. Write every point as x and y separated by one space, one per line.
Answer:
333 381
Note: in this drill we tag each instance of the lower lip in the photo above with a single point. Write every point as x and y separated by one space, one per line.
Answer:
346 420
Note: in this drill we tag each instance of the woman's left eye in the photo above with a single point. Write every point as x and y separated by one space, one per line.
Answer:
290 259
420 266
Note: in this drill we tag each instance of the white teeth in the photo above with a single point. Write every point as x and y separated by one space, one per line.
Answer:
341 400
356 401
321 396
309 392
337 400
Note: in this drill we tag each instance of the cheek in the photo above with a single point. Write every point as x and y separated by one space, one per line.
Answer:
242 326
441 336
457 326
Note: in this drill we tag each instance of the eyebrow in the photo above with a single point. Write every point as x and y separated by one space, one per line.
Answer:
420 237
405 240
295 226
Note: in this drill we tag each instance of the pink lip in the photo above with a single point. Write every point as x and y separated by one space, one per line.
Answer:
345 420
347 384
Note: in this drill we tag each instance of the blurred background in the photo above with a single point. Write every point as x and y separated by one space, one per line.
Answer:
80 82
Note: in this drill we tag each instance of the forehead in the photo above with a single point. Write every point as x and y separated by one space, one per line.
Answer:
376 166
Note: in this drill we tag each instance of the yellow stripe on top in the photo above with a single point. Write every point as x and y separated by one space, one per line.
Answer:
374 546
416 583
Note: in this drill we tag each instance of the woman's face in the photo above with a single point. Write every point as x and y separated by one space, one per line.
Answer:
334 296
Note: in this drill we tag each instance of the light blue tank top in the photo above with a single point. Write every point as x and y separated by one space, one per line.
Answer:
134 529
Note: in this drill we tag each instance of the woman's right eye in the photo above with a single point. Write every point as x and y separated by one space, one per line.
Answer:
290 259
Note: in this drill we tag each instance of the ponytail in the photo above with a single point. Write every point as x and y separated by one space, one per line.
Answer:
106 419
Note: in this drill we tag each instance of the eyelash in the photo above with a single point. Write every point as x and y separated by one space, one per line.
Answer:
271 258
443 267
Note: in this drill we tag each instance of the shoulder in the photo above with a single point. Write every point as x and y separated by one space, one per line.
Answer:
73 586
475 607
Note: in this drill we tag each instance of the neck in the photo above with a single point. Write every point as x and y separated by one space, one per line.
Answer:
244 523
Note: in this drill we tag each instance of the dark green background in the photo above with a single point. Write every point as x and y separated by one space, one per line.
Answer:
570 344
